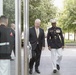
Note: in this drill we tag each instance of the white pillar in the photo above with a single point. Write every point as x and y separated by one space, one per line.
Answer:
1 7
26 36
18 36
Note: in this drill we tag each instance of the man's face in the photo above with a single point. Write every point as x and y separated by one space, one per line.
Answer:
37 24
54 24
13 25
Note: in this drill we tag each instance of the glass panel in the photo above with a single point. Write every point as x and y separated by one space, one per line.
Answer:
11 9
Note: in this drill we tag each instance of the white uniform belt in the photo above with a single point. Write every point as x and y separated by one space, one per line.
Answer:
5 43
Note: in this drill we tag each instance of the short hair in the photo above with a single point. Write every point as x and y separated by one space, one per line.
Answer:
37 20
3 19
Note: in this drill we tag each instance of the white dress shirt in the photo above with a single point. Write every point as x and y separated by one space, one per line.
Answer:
37 32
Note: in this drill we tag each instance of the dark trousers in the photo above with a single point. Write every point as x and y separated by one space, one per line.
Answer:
36 54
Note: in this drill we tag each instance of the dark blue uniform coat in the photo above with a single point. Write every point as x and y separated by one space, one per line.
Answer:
55 37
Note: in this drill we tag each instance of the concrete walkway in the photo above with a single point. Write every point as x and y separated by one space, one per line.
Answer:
68 64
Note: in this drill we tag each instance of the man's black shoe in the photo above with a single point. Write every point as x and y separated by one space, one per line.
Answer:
54 71
12 59
37 71
58 67
30 72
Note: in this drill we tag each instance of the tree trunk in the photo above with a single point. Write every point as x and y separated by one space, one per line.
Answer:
64 35
74 35
68 35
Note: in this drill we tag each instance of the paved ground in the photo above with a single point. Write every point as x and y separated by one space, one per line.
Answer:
68 65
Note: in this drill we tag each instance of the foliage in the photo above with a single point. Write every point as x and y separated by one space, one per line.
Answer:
9 10
68 16
42 9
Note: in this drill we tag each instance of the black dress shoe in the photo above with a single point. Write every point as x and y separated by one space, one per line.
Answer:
12 59
30 72
58 67
54 71
37 71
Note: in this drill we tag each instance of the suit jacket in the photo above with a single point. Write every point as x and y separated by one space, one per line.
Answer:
12 39
33 38
55 37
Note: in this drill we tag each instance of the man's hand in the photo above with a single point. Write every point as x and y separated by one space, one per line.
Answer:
49 48
43 48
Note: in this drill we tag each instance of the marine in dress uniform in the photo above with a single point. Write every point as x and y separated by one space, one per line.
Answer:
37 41
55 42
5 51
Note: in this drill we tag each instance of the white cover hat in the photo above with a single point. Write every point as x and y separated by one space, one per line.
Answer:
53 20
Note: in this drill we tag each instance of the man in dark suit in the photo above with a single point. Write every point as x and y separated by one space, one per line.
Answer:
12 39
37 41
55 45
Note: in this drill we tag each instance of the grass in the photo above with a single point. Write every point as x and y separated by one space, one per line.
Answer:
70 41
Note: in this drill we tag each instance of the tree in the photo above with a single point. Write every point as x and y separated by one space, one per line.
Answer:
42 9
70 12
68 16
9 10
